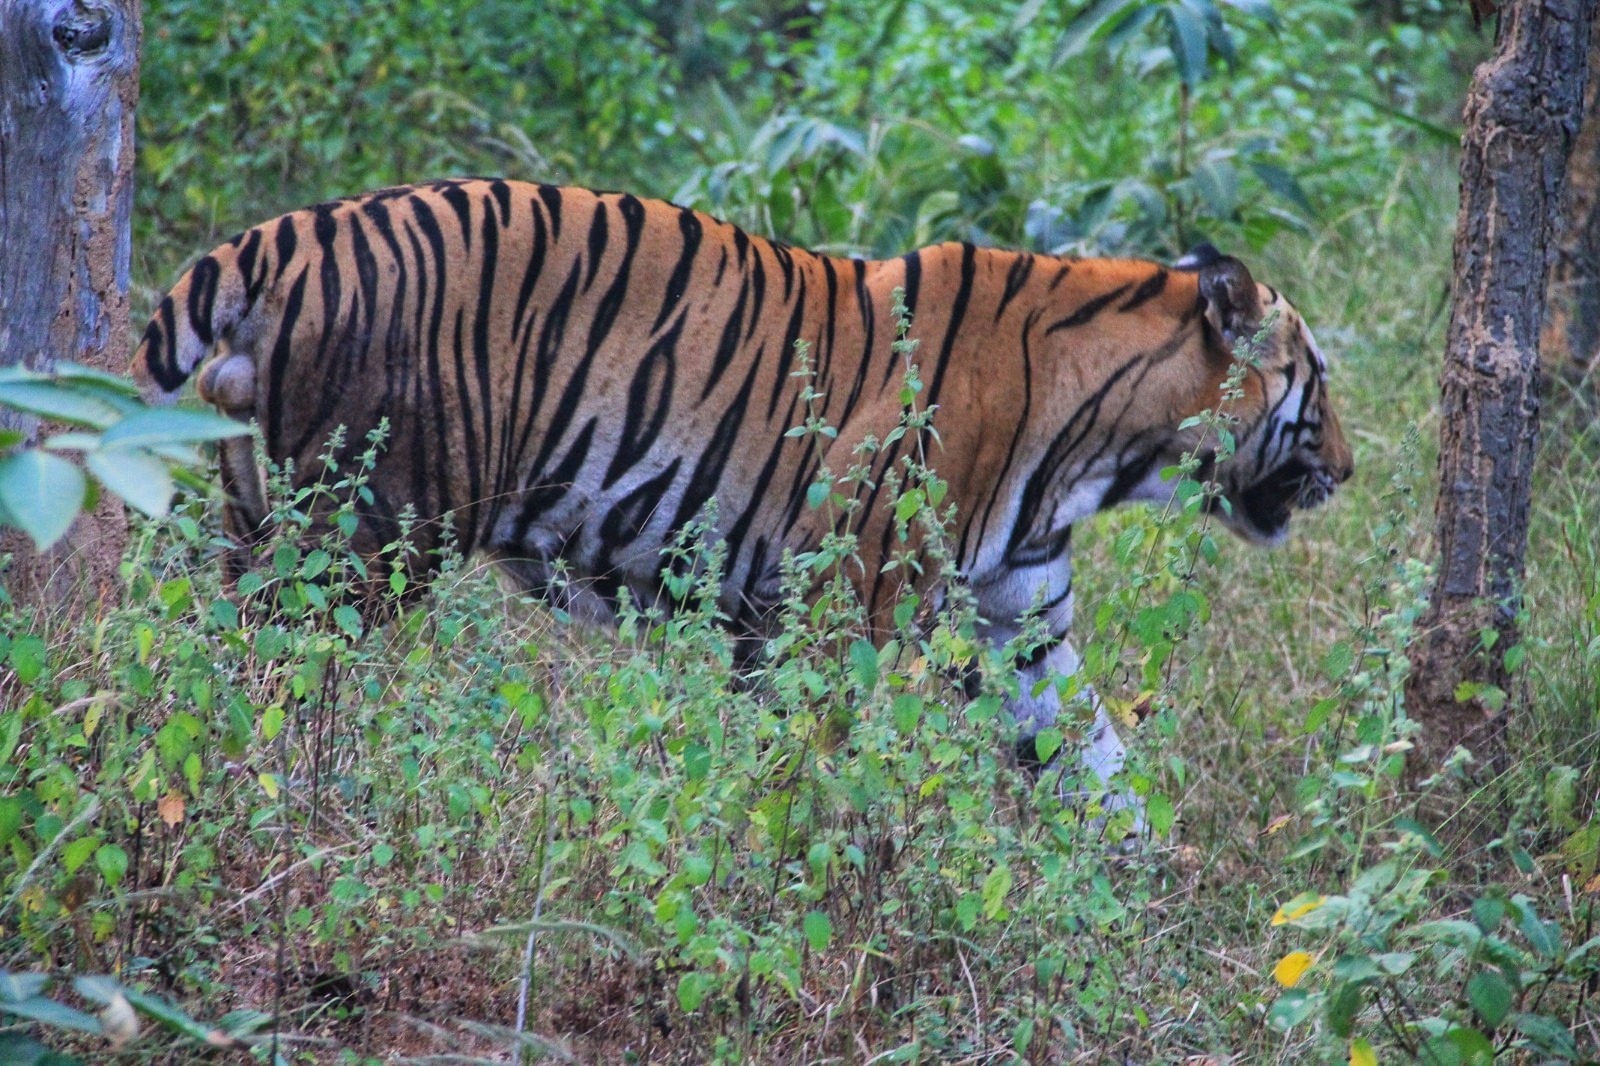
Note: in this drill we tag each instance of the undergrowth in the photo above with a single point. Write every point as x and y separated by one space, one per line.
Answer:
464 827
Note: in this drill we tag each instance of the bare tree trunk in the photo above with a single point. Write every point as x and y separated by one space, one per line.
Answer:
1571 339
69 80
1522 114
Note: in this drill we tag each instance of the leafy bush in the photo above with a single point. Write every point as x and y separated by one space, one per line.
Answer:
131 450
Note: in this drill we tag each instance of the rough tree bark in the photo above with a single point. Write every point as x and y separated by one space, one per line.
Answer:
1522 114
1571 338
69 80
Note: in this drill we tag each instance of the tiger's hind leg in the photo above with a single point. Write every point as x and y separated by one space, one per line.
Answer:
228 382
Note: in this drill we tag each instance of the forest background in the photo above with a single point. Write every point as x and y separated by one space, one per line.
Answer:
479 829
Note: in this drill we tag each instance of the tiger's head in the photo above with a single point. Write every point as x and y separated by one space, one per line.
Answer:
1290 452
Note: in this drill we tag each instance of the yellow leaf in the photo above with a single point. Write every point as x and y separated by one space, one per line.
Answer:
1361 1053
1291 968
269 785
1298 907
170 808
1277 824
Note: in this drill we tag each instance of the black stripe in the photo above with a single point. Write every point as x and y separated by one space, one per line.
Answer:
502 196
1021 270
161 348
913 287
1089 309
549 491
202 297
626 522
597 242
249 259
649 401
285 241
791 333
278 365
728 343
713 460
1147 291
690 230
958 314
461 204
605 316
551 195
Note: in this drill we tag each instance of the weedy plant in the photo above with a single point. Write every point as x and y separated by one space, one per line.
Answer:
273 799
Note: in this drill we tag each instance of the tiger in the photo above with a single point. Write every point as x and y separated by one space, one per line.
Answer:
573 377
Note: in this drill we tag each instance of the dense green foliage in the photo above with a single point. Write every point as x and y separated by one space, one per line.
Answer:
401 836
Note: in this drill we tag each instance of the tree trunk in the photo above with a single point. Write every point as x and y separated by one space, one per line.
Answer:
69 79
1572 325
1522 114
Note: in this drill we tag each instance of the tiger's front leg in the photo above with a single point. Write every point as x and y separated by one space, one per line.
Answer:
1086 727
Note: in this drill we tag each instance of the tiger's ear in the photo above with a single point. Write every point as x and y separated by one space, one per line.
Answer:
1233 303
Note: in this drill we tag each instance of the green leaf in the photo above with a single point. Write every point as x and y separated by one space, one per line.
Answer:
1046 742
171 425
49 399
78 852
1561 796
139 478
28 657
1472 1047
1088 24
42 494
1160 813
692 989
864 663
1337 662
696 762
348 619
1293 1007
995 887
19 1050
1490 997
1188 40
906 712
16 987
1546 1034
175 1019
1283 185
112 862
818 930
50 1013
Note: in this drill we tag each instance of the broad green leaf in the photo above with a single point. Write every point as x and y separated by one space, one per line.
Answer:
692 989
171 426
995 887
112 862
1490 997
1546 1034
50 1013
818 930
1161 815
16 987
906 712
175 1019
139 478
41 493
16 1049
1188 41
47 399
1087 25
